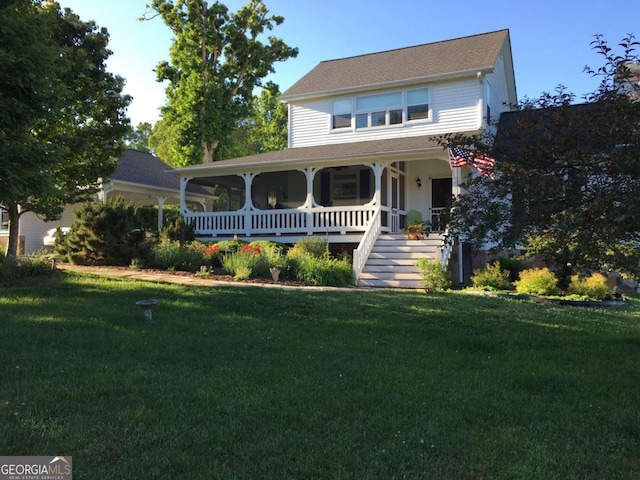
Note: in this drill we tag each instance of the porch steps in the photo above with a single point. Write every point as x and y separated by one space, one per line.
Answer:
392 262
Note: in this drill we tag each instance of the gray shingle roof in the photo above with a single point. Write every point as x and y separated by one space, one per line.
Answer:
146 169
323 154
432 60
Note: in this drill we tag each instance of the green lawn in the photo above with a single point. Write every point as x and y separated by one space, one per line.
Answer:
258 383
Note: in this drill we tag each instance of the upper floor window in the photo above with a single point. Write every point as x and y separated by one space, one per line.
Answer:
379 110
418 104
382 109
341 114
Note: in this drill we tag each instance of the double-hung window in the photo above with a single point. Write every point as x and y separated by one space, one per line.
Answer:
418 104
341 114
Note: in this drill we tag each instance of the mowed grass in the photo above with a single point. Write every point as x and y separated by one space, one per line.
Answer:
257 383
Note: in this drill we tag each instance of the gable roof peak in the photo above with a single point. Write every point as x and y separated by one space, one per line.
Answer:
408 47
398 66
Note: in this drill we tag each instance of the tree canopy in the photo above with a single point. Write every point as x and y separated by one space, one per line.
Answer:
264 129
567 176
138 137
217 58
62 114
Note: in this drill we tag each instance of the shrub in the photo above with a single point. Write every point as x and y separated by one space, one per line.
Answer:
242 273
103 233
229 246
214 252
324 271
246 257
514 266
537 281
273 253
594 287
492 277
312 264
435 276
178 231
31 265
213 255
172 255
316 247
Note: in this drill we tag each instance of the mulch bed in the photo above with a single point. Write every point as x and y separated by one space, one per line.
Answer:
216 274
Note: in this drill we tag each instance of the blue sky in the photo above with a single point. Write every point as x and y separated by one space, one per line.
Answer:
550 39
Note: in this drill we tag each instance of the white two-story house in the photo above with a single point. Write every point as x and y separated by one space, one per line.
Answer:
362 147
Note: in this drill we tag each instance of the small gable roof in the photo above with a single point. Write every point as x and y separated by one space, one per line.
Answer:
466 55
145 169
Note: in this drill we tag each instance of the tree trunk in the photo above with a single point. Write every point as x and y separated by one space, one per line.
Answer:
14 230
208 151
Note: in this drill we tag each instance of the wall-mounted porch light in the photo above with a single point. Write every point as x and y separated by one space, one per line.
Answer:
418 182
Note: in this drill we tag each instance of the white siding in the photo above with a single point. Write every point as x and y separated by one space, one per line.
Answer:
499 93
455 106
310 123
420 198
33 229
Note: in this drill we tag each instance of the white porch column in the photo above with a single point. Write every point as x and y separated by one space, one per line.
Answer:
456 181
310 173
310 202
378 170
104 192
248 202
161 201
248 181
183 193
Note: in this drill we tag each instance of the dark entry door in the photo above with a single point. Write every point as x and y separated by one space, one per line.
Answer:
441 189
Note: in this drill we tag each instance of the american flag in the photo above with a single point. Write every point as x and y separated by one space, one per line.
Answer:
460 157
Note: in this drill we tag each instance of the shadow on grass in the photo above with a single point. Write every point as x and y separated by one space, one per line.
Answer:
266 383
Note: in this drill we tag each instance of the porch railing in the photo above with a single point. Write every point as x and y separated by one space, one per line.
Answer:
366 244
285 221
446 248
437 220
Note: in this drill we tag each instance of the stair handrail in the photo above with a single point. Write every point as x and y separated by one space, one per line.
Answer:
446 248
368 240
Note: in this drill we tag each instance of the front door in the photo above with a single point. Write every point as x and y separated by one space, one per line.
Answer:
441 190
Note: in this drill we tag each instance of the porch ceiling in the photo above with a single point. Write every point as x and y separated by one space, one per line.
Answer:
402 149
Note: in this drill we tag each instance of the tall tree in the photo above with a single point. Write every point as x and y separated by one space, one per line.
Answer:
161 141
217 60
138 137
269 127
63 114
567 180
265 129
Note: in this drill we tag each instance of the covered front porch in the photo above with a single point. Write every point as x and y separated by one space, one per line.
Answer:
339 201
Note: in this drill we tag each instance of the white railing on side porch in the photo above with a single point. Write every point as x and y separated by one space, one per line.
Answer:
366 244
301 220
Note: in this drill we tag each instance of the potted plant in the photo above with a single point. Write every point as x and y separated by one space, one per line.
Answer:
416 229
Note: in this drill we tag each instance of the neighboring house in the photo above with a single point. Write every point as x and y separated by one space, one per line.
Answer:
140 178
363 151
